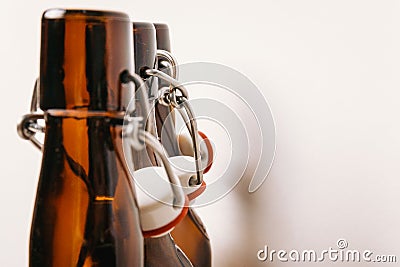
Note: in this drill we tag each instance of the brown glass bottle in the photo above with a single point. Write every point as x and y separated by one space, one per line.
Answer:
85 211
190 234
161 250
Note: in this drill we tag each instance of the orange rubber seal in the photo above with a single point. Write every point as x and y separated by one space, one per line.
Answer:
168 227
210 151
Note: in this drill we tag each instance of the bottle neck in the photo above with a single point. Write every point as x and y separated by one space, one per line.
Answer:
91 149
85 209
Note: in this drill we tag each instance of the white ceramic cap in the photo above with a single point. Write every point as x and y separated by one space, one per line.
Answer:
155 201
206 149
185 168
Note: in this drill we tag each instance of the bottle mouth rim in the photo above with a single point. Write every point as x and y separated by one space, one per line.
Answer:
161 26
143 25
84 14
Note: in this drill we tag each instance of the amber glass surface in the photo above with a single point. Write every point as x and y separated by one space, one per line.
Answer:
160 251
85 211
190 234
82 56
163 252
165 115
163 36
144 37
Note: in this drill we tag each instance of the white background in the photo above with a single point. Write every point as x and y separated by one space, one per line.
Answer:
330 71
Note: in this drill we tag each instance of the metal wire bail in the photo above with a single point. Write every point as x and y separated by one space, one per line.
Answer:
179 102
155 145
28 125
